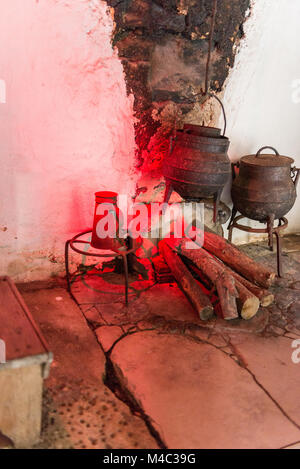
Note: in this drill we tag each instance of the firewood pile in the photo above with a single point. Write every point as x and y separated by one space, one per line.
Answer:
216 278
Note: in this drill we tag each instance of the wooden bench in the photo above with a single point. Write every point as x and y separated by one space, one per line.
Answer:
27 363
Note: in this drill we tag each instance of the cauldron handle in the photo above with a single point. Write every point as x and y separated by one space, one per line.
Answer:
212 95
296 173
264 148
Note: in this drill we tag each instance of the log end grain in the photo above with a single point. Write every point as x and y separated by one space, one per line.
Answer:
267 300
250 308
207 313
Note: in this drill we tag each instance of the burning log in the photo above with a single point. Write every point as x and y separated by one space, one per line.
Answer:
223 281
237 260
187 283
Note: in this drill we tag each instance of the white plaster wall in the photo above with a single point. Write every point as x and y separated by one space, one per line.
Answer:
262 96
66 129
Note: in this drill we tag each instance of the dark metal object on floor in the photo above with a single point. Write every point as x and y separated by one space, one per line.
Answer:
121 253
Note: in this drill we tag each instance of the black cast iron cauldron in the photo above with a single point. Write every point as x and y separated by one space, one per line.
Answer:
197 166
265 186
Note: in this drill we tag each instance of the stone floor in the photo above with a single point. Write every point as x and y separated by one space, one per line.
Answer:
153 375
79 410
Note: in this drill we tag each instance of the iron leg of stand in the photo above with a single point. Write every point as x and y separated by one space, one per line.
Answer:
217 198
67 265
126 278
270 225
230 225
279 253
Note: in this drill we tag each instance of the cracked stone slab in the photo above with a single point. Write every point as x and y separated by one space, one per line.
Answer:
79 411
102 301
270 360
261 253
92 315
290 264
286 298
294 310
292 336
291 243
198 332
198 397
275 331
295 256
100 288
169 302
294 446
254 326
108 335
121 314
218 340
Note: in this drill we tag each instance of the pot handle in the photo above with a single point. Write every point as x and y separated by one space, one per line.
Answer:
212 95
264 148
296 173
233 171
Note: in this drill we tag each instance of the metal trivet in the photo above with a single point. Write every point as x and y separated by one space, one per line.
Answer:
120 253
270 229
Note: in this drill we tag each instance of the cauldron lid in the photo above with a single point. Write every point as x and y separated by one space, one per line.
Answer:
273 161
267 160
